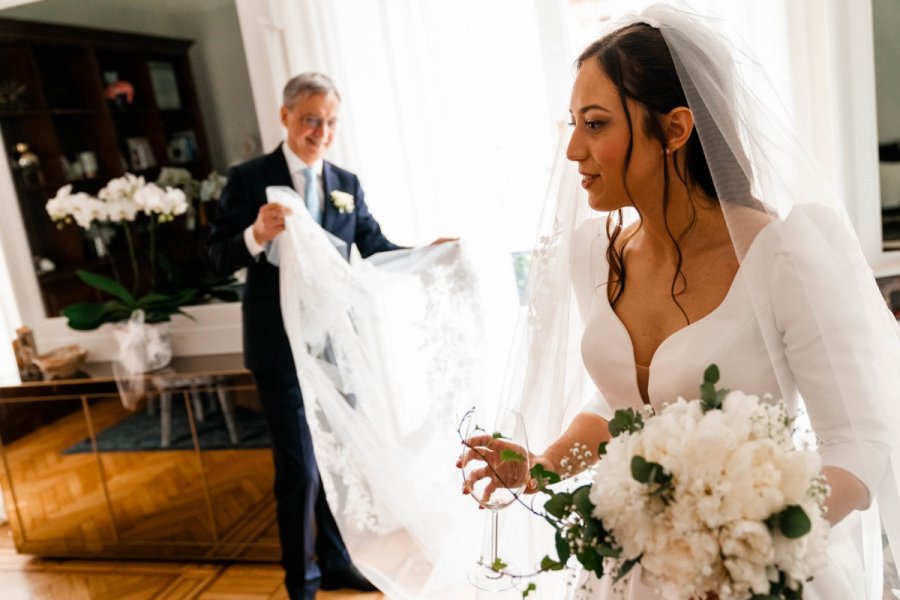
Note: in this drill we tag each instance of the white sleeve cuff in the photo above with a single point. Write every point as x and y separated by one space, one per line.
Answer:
253 247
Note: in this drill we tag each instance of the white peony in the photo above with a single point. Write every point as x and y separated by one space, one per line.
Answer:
676 564
754 478
801 558
748 550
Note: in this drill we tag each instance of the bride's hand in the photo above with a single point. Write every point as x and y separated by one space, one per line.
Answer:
503 469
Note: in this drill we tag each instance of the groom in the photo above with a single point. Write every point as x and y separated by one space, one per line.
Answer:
313 553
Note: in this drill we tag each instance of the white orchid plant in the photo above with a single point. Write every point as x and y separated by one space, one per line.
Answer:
122 203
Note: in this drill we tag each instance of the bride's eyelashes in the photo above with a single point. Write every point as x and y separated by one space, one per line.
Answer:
592 125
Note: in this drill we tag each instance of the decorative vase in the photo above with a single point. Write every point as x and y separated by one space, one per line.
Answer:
143 347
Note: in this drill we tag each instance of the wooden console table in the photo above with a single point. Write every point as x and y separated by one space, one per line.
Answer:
84 477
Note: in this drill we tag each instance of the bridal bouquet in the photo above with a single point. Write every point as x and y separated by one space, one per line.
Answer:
709 496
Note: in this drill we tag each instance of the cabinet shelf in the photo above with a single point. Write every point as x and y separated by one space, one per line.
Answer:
74 112
22 114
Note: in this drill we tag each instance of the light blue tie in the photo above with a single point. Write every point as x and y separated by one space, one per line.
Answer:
312 195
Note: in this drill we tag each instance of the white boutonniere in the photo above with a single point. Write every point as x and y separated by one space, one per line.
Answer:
342 201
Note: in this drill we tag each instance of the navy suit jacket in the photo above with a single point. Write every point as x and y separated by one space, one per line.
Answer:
266 346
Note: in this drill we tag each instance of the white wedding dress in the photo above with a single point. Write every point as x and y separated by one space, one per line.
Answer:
734 337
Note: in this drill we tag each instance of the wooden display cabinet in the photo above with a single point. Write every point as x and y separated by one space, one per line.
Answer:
52 97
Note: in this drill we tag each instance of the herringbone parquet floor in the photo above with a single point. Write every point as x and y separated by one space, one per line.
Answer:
28 578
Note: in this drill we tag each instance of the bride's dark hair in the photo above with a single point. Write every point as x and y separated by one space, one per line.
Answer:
638 62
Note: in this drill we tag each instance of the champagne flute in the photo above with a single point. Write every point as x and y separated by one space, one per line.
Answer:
495 469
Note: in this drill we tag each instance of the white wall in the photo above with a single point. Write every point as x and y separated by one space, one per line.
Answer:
887 75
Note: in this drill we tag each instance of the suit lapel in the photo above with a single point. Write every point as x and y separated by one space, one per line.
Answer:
277 172
330 183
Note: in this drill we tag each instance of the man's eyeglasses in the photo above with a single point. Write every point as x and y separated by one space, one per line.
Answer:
312 122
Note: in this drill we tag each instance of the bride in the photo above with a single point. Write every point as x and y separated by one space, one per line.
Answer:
736 258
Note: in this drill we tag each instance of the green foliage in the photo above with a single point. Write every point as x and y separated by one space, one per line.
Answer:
498 565
548 564
157 307
793 522
559 505
531 587
543 477
626 421
711 398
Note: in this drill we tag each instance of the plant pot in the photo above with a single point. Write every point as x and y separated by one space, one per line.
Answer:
143 347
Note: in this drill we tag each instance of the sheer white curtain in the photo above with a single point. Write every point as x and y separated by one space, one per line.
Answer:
450 117
450 109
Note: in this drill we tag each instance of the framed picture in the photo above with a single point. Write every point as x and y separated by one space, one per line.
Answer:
165 85
182 147
140 154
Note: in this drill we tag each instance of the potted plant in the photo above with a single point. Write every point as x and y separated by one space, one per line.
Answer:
124 205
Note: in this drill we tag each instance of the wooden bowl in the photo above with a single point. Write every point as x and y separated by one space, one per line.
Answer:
61 362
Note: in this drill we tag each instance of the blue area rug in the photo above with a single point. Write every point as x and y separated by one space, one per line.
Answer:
141 431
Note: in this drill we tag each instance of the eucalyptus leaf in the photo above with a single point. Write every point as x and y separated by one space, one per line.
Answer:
548 564
590 560
625 421
794 522
582 501
562 547
711 374
626 567
559 504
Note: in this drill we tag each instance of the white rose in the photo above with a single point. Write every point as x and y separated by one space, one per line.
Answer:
342 201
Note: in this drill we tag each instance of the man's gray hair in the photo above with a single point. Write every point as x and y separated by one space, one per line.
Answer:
306 84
